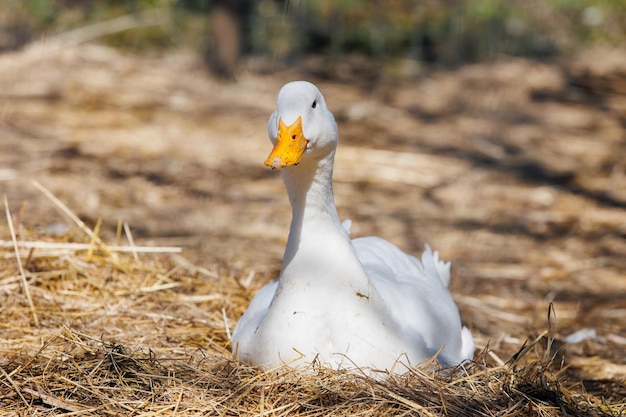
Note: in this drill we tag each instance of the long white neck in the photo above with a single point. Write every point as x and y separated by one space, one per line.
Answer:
315 219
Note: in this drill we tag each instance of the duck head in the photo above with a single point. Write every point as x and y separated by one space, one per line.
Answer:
301 128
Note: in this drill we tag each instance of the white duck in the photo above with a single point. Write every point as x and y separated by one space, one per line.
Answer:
342 303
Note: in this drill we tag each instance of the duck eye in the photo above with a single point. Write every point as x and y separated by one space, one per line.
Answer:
314 105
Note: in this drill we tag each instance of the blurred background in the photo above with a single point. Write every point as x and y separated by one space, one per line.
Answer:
389 33
132 102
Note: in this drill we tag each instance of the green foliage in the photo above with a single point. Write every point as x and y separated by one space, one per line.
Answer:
42 11
447 32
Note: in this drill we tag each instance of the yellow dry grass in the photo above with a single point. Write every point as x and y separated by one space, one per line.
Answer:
94 329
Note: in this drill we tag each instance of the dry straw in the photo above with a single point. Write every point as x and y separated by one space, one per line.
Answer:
106 332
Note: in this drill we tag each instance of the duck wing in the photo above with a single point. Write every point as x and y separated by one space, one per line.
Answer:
417 298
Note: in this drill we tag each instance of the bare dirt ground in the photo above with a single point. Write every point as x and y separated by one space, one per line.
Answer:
514 170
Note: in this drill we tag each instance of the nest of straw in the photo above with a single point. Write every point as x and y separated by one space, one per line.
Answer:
96 329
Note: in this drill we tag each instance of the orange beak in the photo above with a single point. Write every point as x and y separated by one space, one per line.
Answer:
289 147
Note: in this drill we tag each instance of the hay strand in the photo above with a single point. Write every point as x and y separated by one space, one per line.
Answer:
131 241
24 281
75 247
69 213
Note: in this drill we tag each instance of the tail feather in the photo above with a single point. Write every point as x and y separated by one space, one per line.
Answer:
467 351
434 267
